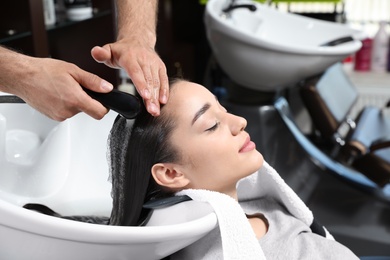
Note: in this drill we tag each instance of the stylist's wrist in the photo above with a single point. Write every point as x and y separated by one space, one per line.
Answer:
146 38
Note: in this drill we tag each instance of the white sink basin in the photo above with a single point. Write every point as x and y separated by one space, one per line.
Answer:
64 166
268 50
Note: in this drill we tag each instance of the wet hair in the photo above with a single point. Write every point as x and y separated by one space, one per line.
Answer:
133 148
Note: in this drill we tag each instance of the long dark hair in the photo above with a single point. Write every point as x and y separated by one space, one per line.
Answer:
133 150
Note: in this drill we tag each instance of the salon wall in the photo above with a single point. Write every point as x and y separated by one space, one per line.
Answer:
22 27
181 40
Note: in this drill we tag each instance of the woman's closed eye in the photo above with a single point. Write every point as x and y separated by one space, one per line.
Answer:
213 128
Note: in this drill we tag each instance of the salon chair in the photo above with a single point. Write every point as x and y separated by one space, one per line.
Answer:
362 143
260 61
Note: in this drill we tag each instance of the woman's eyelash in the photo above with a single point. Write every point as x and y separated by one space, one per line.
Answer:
214 127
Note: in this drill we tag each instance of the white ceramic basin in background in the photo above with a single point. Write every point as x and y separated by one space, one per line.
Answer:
64 166
66 162
268 50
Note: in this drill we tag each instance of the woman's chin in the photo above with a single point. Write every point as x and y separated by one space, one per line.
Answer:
254 163
259 159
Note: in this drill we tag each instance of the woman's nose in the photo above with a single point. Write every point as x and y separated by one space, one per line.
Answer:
237 124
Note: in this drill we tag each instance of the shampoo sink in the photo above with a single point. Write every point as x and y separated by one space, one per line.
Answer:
64 166
268 50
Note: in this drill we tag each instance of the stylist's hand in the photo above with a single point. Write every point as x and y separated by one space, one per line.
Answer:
144 67
53 88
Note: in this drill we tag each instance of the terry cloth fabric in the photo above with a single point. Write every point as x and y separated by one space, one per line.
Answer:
266 182
238 238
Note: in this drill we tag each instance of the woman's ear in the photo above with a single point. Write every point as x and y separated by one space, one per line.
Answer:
169 175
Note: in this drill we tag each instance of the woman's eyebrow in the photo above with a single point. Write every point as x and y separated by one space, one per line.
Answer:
201 111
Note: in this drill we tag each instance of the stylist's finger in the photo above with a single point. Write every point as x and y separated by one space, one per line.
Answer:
142 80
164 85
87 104
152 83
92 81
153 86
137 77
92 107
103 55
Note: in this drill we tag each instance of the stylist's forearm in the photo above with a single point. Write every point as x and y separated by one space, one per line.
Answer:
12 66
135 51
137 19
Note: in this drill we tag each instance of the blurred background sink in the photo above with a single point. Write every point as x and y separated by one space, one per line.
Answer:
269 50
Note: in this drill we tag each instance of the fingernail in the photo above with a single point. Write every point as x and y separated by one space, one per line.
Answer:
164 98
106 85
153 108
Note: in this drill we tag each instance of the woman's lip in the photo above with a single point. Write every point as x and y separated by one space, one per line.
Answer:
248 146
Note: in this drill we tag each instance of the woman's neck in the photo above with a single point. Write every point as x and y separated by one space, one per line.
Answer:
232 192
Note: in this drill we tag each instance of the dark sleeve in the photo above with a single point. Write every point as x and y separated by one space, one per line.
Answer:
317 228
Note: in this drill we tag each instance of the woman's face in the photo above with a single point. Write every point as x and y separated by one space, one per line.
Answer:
216 151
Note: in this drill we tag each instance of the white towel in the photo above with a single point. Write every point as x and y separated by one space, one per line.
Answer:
238 238
266 182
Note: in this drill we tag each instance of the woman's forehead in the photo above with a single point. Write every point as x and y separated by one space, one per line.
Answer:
184 91
186 98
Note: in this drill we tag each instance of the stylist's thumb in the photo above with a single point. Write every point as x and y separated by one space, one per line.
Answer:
93 82
103 55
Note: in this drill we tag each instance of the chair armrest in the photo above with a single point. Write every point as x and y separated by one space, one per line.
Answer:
380 144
